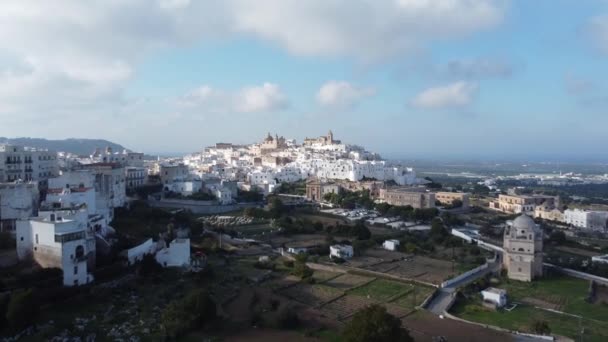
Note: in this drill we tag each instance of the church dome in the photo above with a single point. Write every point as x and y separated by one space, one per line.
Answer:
524 222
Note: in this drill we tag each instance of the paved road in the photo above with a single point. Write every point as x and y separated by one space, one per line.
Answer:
445 296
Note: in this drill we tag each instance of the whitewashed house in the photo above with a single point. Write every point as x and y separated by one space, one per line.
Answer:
341 251
176 255
55 241
391 245
495 296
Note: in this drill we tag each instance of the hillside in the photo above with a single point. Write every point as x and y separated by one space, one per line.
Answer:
77 146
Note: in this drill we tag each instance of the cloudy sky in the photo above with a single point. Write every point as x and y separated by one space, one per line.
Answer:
407 78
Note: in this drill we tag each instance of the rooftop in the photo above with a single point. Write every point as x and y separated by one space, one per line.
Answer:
495 291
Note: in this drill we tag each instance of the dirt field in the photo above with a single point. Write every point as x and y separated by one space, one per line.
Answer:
304 239
601 295
264 335
312 295
577 251
413 267
348 281
424 326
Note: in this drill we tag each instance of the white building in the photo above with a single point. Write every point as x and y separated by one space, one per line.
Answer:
78 188
176 255
27 164
124 158
341 251
297 250
138 252
185 187
586 219
495 296
54 241
169 172
18 201
136 176
391 245
224 195
603 259
110 182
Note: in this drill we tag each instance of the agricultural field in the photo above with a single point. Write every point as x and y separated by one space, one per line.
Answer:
348 281
534 302
313 295
382 290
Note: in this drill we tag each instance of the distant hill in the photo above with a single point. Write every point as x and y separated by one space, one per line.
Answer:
77 146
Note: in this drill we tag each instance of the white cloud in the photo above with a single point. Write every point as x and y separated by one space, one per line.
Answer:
458 94
267 97
342 94
76 58
597 28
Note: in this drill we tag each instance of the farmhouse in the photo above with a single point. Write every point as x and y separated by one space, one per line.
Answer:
495 296
391 245
341 251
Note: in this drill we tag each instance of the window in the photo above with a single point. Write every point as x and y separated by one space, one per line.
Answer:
75 269
37 239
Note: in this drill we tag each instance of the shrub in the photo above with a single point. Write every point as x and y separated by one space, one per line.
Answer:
22 310
374 324
194 311
288 319
7 240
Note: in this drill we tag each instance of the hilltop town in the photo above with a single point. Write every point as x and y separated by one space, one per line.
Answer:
276 238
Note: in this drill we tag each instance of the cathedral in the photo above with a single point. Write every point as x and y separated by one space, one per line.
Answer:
523 245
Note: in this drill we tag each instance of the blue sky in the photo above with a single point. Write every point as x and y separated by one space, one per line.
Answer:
407 78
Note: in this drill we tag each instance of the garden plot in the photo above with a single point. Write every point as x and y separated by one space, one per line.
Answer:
348 281
413 298
344 307
382 290
313 295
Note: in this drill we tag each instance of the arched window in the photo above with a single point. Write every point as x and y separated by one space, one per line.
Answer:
79 251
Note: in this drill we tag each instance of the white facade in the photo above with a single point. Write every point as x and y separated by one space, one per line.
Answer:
224 195
137 253
135 176
594 220
341 251
26 164
57 242
75 189
495 296
18 201
124 158
391 245
602 259
176 255
297 250
184 187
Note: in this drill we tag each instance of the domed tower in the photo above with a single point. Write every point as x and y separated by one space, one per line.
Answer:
523 245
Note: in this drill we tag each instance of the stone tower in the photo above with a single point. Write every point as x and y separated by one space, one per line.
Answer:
523 244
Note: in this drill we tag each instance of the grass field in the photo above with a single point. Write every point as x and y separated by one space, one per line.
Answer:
382 290
414 297
565 293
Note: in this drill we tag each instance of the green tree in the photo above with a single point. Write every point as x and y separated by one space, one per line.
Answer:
194 311
541 327
22 310
382 208
360 231
558 237
276 207
374 324
148 266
